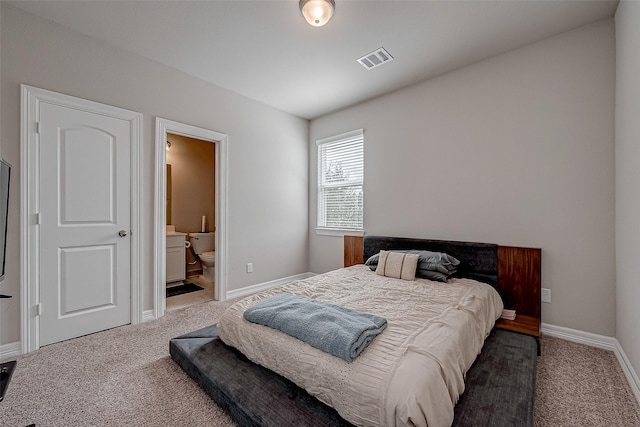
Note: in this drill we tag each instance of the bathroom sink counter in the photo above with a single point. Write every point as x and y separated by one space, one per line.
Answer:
175 256
171 231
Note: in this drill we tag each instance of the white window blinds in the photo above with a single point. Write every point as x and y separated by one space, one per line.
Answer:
340 181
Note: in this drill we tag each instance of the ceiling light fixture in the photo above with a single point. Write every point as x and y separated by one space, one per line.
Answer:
168 146
317 12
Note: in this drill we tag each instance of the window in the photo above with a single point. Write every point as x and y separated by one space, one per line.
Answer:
340 182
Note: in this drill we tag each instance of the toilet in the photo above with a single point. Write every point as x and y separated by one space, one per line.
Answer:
203 245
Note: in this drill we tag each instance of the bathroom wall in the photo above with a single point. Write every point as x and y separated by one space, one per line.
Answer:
192 186
193 182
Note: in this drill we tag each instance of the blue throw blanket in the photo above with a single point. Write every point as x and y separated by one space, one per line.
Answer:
336 330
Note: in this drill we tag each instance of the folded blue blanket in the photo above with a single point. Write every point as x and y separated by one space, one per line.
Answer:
336 330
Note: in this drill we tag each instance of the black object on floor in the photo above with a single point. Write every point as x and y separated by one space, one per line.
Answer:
182 289
6 370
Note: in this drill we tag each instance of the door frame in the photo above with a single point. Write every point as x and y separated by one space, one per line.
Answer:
220 140
31 98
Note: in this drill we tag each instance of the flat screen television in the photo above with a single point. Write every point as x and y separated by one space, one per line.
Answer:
5 175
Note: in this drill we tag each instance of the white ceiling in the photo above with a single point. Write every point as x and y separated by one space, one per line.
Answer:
266 51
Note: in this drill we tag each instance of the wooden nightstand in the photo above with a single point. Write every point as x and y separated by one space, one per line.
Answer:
519 280
522 324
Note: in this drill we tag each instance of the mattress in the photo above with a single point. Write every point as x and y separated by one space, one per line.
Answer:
412 374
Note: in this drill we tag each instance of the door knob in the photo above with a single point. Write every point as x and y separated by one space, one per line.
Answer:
122 233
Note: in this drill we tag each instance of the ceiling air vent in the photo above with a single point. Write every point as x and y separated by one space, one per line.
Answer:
375 58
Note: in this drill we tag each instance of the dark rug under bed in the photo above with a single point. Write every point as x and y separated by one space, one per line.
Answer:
185 288
500 386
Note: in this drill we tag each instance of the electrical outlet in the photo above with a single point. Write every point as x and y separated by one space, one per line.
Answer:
545 295
249 267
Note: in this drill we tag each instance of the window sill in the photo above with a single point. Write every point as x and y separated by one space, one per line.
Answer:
338 232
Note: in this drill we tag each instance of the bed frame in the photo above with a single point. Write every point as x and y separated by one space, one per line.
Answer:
514 271
499 387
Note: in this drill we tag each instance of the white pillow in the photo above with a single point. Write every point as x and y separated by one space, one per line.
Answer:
397 265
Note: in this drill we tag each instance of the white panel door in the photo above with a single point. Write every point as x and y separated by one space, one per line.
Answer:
85 214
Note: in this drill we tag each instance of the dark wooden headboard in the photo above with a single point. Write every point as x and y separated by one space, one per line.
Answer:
514 271
477 260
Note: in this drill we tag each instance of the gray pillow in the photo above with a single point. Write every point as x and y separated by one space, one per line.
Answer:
372 262
431 265
432 275
436 261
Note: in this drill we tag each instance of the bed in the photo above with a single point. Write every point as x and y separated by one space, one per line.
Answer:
410 374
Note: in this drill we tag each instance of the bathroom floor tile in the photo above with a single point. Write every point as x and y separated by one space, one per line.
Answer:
184 300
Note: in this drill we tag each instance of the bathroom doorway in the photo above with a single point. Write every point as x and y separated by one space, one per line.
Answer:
190 220
190 216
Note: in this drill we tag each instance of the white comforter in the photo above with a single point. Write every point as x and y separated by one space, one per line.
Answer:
411 374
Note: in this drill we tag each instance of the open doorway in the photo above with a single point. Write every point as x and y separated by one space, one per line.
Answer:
190 207
190 220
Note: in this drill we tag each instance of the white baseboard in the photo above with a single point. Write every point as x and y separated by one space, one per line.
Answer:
628 370
598 341
10 351
148 315
248 290
581 337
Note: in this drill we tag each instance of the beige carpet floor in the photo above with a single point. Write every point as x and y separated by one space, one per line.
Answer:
120 377
125 377
582 386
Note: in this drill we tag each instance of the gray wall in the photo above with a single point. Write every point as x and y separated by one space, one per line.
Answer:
628 179
515 150
268 150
